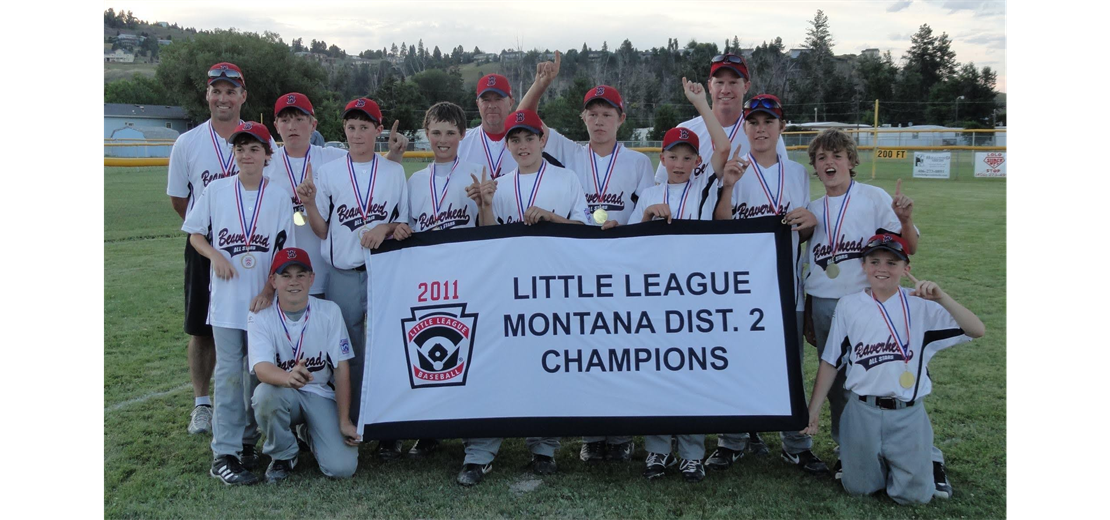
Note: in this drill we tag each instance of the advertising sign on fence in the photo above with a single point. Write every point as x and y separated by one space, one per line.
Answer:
990 164
932 165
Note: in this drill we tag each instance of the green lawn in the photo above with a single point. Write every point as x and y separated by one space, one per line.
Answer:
153 468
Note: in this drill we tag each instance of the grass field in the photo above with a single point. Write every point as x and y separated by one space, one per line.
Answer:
153 468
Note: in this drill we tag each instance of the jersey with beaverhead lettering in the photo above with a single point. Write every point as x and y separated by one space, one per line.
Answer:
862 339
616 194
456 210
217 215
681 198
271 337
195 161
737 136
285 177
381 188
559 192
477 147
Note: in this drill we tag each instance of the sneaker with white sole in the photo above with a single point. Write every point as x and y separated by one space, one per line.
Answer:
692 470
656 465
472 474
228 469
592 451
807 461
940 477
722 458
200 419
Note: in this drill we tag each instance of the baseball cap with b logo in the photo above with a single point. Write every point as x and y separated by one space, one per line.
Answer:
679 135
887 241
763 103
228 72
605 93
494 83
288 257
525 119
730 62
366 106
294 100
252 128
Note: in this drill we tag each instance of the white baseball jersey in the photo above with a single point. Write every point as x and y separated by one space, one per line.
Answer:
477 147
868 212
285 174
861 338
736 135
622 176
217 215
271 337
760 193
451 207
381 188
199 157
558 192
682 199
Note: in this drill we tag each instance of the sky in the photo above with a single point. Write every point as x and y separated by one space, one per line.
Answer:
977 28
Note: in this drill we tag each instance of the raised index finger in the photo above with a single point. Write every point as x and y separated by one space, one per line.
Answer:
736 154
485 174
558 58
308 174
898 188
393 131
912 279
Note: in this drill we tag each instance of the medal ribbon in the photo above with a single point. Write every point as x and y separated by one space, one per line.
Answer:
248 233
600 186
535 190
437 197
364 207
225 164
904 347
735 128
289 169
494 167
681 205
763 182
834 234
297 347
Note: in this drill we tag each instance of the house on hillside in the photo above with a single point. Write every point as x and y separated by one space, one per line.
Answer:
118 116
119 56
484 57
511 55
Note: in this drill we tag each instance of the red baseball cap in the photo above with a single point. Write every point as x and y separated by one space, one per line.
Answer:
605 93
228 72
290 256
255 129
888 241
294 100
495 82
679 135
763 103
366 106
526 119
731 62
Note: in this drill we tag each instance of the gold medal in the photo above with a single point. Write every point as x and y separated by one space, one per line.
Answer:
363 231
247 260
600 216
906 380
298 218
832 270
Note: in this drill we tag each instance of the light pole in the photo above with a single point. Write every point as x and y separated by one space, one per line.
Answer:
958 109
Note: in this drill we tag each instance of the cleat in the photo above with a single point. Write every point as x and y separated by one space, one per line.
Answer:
807 461
592 451
620 452
940 477
389 450
232 473
472 474
543 464
200 420
722 458
756 445
656 465
423 448
692 470
249 457
280 469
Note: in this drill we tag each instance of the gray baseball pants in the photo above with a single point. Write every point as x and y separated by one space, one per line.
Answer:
887 449
279 409
233 423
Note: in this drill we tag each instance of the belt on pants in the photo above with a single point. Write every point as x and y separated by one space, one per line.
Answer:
885 403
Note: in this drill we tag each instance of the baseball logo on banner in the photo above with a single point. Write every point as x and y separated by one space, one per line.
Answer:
439 341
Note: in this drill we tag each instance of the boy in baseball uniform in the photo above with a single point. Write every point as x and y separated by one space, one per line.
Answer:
354 204
883 338
238 224
299 350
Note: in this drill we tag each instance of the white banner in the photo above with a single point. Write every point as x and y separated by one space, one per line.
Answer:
990 164
558 330
932 165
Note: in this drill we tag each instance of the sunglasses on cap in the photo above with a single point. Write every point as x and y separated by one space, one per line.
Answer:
226 73
886 243
757 103
731 58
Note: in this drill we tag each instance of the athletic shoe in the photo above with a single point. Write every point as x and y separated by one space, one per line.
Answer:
423 448
838 471
389 450
543 464
592 451
940 476
756 445
807 461
472 474
692 470
249 457
280 469
722 458
200 419
620 452
657 464
228 469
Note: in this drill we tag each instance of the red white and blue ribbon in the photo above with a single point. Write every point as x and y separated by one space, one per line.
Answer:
494 167
602 185
289 169
226 165
298 346
682 204
364 203
735 129
248 231
535 190
831 233
774 200
438 196
904 346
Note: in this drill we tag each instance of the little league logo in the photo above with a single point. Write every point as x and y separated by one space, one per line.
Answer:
439 341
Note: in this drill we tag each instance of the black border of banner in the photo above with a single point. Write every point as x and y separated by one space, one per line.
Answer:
654 425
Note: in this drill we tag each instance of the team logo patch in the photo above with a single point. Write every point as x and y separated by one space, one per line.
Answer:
290 254
439 341
248 125
223 67
360 103
492 81
290 99
520 117
600 91
683 134
344 346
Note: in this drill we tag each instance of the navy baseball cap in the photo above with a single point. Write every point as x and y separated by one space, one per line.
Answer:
889 242
290 256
